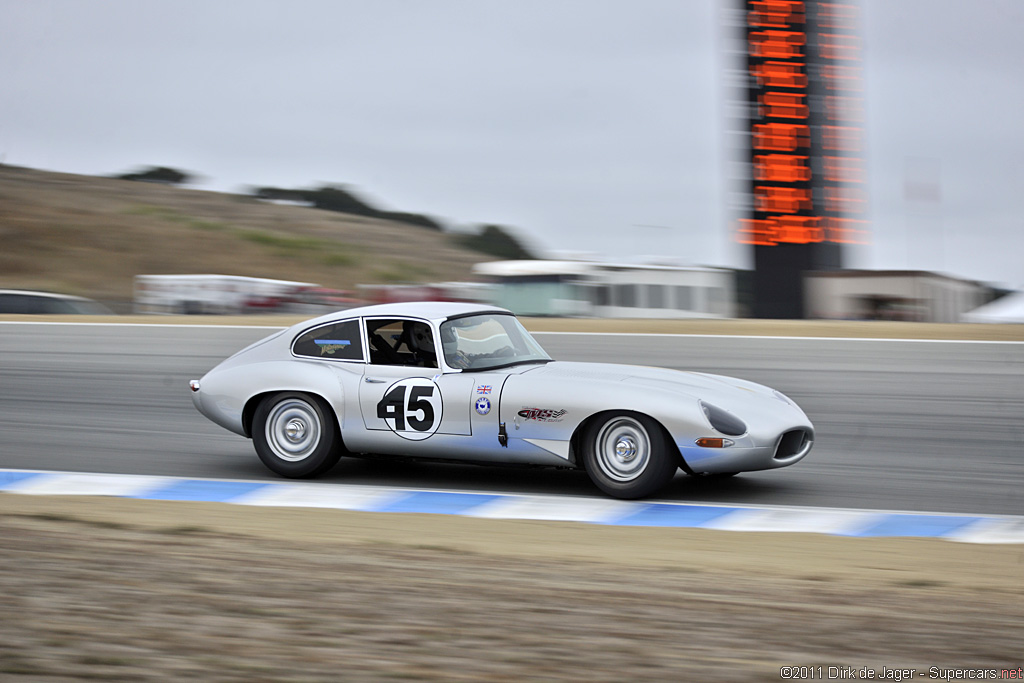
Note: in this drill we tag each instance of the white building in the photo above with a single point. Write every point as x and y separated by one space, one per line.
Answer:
890 295
606 290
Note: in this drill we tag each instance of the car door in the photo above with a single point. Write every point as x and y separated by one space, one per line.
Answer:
412 404
405 399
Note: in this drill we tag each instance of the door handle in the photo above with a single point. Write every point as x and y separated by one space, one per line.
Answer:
374 380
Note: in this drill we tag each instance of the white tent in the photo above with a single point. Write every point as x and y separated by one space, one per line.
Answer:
1007 309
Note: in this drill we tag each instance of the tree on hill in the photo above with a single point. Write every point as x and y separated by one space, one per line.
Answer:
279 194
158 174
342 200
495 240
334 198
412 219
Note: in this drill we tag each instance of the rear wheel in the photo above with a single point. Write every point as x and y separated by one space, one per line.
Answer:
627 455
295 435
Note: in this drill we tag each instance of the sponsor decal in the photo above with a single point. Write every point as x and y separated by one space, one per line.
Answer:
329 346
483 405
483 389
541 414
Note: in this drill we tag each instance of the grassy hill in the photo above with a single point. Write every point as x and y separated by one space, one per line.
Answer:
90 236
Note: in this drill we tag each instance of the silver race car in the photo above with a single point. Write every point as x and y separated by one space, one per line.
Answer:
467 382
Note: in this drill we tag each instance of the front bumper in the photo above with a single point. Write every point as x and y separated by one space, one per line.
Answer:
786 448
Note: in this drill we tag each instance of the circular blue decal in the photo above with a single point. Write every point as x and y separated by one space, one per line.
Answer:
483 405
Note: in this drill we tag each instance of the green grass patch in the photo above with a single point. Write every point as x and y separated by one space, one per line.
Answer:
403 271
328 252
172 216
338 258
282 242
209 226
157 211
391 275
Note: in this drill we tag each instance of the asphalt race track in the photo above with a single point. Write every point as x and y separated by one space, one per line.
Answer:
928 426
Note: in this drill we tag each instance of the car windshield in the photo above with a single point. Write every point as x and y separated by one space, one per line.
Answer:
488 341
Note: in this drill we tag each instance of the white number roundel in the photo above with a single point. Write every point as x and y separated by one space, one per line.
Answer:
412 408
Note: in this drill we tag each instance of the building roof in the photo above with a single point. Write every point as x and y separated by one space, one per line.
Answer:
532 267
544 267
846 273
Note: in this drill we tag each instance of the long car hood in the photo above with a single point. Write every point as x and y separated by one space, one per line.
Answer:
728 392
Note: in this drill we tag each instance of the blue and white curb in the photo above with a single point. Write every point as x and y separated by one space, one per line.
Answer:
834 521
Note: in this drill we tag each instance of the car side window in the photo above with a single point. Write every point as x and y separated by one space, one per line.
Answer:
27 303
11 303
401 342
337 341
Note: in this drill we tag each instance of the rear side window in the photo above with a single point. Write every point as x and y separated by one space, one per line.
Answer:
337 341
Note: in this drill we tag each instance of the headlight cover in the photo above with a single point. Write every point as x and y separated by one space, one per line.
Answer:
723 421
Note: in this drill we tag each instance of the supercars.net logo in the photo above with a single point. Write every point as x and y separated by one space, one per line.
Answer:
541 414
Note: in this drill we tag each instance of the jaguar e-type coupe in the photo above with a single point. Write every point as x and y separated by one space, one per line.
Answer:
457 381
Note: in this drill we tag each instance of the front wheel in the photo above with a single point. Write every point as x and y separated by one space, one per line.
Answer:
295 435
627 455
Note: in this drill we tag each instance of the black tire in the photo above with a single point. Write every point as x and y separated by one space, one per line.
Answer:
296 435
628 455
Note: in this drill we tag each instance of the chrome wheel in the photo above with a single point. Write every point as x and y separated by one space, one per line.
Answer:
296 434
293 429
628 454
622 449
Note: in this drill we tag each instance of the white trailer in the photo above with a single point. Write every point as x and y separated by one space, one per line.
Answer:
221 294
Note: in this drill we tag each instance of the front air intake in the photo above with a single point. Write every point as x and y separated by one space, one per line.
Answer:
791 443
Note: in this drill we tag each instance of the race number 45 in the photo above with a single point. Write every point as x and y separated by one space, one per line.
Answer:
412 408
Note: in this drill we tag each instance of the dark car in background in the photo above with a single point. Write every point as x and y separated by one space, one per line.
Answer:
44 303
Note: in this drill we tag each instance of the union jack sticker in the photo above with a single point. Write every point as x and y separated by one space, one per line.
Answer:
483 389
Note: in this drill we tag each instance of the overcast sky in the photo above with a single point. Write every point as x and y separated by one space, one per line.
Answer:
590 125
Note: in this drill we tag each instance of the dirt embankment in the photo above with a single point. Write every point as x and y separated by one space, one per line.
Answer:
90 236
144 590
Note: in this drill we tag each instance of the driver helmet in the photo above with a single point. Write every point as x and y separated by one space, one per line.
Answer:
424 340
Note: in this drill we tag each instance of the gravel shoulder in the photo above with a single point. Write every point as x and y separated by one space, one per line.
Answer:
151 590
